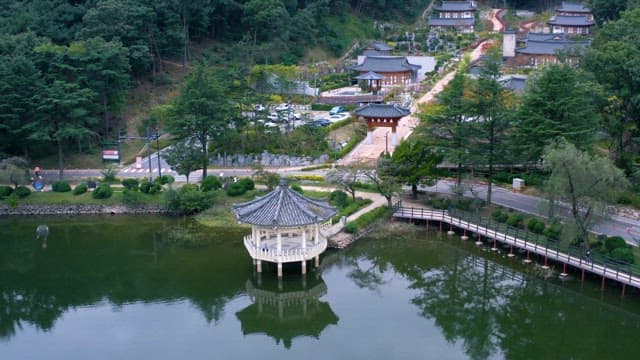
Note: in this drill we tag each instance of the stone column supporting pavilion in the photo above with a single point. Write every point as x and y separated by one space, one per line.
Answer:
382 115
286 226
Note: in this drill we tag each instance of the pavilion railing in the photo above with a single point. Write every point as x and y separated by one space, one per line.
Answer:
285 255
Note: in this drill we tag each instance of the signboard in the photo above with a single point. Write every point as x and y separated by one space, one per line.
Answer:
110 155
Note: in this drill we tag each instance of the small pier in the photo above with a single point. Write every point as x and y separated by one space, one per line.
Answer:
520 239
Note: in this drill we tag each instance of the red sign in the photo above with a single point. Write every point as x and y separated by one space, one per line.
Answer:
110 155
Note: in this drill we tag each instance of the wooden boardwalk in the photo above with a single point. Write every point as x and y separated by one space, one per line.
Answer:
604 270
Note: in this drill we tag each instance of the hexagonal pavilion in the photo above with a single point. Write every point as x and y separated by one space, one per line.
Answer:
286 226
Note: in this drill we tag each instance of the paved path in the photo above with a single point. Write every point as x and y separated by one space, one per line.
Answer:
381 137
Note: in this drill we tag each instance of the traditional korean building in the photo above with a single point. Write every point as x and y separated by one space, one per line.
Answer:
377 48
396 70
454 15
572 18
382 115
542 49
285 227
574 9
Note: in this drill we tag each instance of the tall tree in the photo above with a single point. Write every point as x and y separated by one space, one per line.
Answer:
183 158
449 123
415 163
202 110
384 178
106 71
614 59
68 116
586 182
560 102
490 107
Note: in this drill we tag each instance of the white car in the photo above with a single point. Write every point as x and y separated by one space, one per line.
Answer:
273 117
283 107
259 107
271 124
339 117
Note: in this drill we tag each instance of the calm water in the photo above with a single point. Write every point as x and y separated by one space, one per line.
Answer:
151 287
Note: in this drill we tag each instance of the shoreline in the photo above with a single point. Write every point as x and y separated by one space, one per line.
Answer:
74 209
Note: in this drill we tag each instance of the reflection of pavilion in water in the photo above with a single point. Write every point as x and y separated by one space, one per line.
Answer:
286 310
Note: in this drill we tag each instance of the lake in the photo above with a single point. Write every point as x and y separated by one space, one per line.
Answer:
150 287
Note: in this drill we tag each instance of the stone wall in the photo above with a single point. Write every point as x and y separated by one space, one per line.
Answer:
37 210
266 159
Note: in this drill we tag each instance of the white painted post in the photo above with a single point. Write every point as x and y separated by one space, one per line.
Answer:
259 266
279 269
279 241
304 238
304 267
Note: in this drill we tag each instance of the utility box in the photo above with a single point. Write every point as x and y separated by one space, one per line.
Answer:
517 184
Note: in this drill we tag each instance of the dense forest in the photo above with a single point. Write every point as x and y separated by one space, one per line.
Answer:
67 64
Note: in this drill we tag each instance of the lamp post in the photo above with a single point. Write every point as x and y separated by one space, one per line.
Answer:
158 155
386 143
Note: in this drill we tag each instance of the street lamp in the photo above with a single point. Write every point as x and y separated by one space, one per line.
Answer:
158 155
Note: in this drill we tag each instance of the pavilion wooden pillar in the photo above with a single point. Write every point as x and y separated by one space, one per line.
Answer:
279 249
317 239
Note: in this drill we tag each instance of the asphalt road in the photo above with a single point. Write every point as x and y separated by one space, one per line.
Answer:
625 227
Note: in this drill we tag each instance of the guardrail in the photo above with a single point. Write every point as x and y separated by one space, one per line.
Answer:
574 256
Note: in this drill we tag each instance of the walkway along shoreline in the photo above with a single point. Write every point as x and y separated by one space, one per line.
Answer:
625 276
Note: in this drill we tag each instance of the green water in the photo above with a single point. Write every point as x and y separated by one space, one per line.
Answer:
162 288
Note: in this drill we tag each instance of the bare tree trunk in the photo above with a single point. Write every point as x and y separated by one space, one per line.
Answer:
60 159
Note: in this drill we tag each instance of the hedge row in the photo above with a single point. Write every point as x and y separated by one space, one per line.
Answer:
365 220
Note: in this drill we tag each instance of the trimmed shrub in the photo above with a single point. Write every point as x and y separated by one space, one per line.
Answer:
296 187
499 216
188 202
60 186
131 184
623 254
236 189
148 187
210 183
614 242
5 191
102 192
516 220
188 187
80 189
167 179
536 225
351 227
22 191
247 183
441 203
553 231
339 198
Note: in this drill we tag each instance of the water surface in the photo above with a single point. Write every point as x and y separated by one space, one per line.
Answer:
155 287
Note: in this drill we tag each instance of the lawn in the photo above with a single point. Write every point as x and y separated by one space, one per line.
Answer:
67 198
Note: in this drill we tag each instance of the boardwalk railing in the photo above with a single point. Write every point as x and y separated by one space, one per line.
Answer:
522 239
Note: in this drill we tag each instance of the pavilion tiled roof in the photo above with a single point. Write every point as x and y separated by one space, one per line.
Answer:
550 44
283 207
574 7
370 76
382 64
456 6
451 21
382 111
571 21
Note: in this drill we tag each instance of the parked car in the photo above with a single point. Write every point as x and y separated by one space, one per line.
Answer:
284 107
273 117
339 117
271 125
319 123
336 110
259 107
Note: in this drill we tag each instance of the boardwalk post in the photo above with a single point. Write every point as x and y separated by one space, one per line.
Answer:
450 232
494 248
564 270
624 286
545 266
602 287
527 260
479 242
511 254
464 236
582 275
